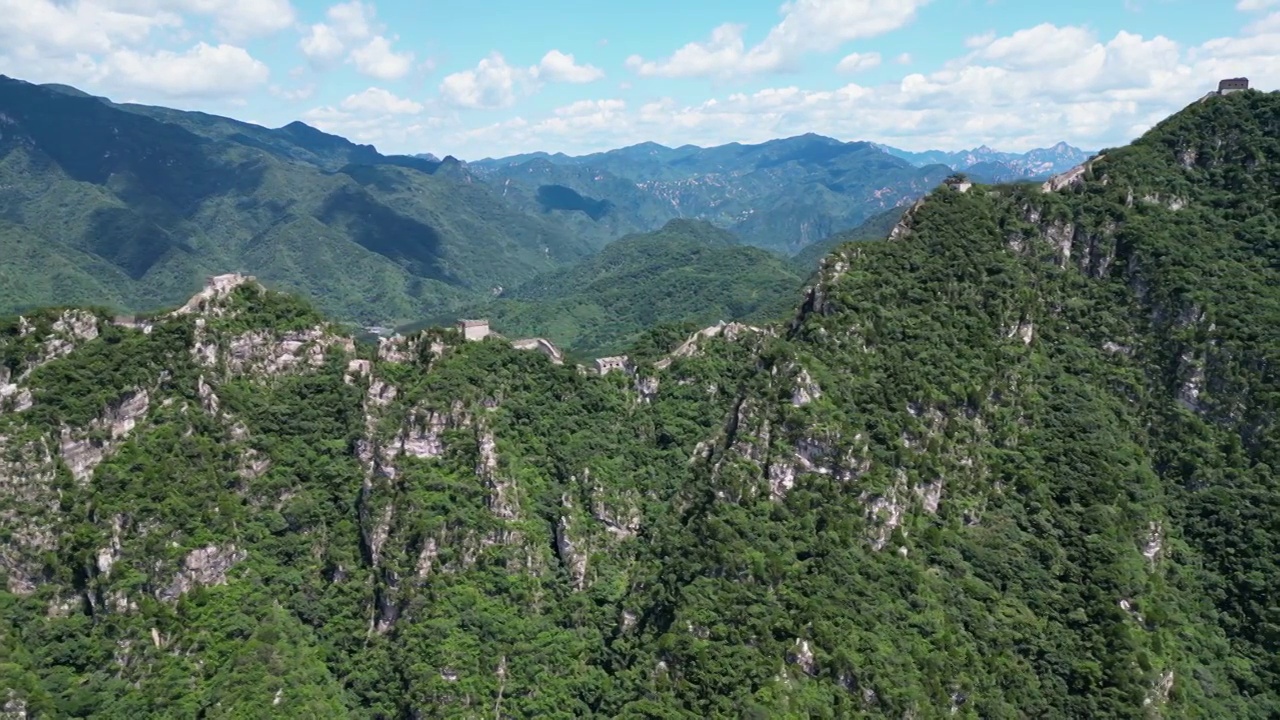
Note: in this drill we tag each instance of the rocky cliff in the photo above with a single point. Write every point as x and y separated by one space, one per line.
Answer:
1015 460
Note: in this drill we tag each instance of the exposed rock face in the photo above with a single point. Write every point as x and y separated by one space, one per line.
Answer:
396 348
806 390
262 352
570 552
885 512
930 495
83 450
502 491
13 398
646 389
29 508
357 369
801 655
1189 392
204 566
216 288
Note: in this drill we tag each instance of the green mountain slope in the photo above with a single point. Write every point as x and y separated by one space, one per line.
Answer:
875 228
781 195
1015 461
689 274
133 207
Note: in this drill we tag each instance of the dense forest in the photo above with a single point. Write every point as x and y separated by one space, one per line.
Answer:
1015 460
688 274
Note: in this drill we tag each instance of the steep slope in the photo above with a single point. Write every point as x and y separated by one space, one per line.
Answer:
780 195
133 207
1016 460
689 273
876 228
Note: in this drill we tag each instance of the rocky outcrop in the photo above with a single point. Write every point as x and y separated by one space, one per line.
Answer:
29 508
72 329
265 353
13 398
571 553
82 450
646 388
806 390
502 491
885 511
204 566
216 288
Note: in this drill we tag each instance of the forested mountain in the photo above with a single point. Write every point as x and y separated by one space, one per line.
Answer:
1016 460
780 195
988 165
876 228
132 207
688 274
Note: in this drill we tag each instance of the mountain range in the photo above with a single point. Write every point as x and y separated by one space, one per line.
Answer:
132 207
782 195
1017 459
987 165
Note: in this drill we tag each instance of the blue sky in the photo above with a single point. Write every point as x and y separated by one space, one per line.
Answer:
491 77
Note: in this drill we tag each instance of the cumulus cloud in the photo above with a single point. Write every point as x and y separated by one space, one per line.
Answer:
556 66
377 59
350 30
807 26
1026 89
203 71
1256 5
494 83
857 62
242 18
382 102
42 28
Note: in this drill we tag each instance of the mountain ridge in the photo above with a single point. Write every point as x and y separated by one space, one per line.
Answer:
136 205
1016 459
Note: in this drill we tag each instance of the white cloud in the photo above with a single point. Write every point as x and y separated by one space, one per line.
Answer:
807 26
350 29
903 59
242 18
322 44
380 102
559 67
1267 25
857 62
1027 89
203 71
293 94
494 83
377 59
42 28
1255 5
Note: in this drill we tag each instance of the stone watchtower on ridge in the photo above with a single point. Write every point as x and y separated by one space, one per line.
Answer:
1231 85
473 329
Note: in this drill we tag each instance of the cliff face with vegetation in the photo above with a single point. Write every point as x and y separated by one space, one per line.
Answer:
1014 461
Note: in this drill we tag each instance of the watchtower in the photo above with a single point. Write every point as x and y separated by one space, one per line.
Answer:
1231 85
473 329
